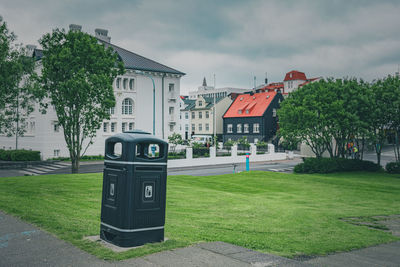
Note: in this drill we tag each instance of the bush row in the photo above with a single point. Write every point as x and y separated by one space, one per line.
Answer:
328 165
393 167
19 155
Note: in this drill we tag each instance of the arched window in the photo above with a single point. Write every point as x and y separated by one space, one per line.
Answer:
125 83
118 83
131 84
127 106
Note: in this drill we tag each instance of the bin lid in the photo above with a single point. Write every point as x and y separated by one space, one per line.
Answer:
136 132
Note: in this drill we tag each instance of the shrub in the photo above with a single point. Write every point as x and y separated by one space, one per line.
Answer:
5 155
393 167
201 152
328 165
24 155
176 155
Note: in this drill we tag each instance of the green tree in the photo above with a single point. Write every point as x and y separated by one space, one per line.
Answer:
301 118
175 139
17 98
77 77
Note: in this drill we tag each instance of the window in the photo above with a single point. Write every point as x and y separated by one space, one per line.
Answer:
56 152
207 114
171 88
127 106
118 83
131 126
274 112
112 111
256 128
239 128
131 84
193 127
113 126
229 128
246 128
171 128
186 127
200 115
187 115
123 127
200 103
56 127
171 110
125 83
193 116
200 127
207 127
105 127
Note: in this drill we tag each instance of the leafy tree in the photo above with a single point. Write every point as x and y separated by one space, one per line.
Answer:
175 139
77 77
17 96
386 102
301 118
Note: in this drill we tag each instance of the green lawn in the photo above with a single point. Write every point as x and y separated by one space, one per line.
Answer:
285 214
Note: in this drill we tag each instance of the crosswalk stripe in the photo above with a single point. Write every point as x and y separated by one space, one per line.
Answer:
28 173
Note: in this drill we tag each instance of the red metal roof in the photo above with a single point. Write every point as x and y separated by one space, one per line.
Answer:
246 105
308 81
295 75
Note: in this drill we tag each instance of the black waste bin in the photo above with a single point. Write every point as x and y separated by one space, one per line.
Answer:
134 189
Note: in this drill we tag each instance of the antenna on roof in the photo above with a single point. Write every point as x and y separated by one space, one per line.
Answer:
266 78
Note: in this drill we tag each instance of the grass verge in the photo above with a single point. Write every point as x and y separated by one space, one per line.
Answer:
286 214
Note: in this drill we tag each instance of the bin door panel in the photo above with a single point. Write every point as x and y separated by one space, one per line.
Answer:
114 184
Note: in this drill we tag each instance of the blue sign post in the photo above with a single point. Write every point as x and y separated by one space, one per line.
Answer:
247 162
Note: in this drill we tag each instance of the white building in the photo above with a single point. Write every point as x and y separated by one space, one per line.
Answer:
184 126
134 106
210 91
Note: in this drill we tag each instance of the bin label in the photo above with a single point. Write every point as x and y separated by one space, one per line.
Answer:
148 191
112 189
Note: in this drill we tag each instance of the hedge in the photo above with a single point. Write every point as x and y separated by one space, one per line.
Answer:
393 167
328 165
19 155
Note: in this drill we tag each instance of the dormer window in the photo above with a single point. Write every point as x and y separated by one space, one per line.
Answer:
291 75
200 103
239 111
241 98
247 111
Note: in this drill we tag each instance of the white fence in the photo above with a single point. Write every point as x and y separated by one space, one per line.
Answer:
233 159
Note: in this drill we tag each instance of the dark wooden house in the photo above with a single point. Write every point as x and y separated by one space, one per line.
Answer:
252 115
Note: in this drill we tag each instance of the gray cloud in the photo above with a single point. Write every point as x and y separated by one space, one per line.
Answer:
235 40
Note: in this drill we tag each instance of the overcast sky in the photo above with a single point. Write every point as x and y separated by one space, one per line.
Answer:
235 40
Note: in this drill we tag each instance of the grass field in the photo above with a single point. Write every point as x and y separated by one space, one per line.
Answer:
286 214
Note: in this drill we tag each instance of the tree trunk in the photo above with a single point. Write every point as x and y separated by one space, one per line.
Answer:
75 165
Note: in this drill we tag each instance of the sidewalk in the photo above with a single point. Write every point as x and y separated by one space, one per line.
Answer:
22 244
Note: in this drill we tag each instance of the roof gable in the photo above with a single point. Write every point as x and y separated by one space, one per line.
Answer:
247 105
295 75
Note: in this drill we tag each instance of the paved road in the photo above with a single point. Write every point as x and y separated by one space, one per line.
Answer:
97 166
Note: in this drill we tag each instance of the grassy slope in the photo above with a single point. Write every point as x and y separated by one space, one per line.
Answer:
286 214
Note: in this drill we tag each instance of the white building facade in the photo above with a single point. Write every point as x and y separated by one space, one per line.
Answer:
133 110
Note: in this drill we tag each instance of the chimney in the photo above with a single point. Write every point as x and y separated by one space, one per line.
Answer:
75 27
102 34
